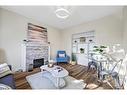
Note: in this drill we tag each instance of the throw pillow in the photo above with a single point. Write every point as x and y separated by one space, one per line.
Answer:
61 55
4 70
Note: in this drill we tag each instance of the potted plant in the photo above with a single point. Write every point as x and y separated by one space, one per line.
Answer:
100 49
81 50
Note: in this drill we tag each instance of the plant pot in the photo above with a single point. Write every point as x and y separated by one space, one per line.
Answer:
73 62
81 51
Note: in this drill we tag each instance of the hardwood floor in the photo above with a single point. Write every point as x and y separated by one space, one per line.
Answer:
81 72
76 71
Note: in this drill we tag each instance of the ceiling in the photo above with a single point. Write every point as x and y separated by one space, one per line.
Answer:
79 14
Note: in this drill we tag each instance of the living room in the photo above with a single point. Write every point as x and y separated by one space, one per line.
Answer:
80 31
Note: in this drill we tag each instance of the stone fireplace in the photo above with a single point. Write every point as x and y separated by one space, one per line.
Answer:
36 46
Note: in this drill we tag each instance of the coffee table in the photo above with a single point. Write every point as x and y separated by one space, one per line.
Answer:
56 71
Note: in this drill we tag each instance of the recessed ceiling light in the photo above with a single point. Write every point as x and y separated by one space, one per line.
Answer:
62 13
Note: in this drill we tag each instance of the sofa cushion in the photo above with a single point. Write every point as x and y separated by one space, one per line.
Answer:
8 80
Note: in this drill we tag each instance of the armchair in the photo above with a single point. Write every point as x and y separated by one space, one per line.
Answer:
62 57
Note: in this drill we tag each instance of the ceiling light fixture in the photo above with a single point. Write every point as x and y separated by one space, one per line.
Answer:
62 13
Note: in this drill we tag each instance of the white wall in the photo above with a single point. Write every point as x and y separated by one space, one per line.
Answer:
13 31
108 31
0 36
0 24
125 28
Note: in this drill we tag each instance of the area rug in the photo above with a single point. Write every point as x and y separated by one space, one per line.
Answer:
39 81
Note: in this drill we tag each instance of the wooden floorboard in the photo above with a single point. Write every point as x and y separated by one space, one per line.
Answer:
80 72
